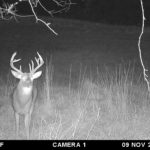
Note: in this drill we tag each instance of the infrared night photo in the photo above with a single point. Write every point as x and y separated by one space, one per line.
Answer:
75 70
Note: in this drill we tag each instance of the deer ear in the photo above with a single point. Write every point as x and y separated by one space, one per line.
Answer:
36 75
16 74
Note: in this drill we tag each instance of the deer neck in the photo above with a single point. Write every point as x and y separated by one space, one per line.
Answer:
25 90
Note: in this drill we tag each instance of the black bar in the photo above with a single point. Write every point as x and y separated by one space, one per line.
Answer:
74 144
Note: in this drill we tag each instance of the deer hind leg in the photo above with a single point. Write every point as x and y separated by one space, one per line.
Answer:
17 124
27 124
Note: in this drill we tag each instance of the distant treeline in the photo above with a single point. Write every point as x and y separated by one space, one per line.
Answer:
126 12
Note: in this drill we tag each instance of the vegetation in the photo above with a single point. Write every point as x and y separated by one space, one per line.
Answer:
112 105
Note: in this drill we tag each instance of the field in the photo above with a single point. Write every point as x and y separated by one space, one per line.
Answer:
92 84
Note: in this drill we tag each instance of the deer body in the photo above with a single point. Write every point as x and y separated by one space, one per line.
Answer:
24 98
24 95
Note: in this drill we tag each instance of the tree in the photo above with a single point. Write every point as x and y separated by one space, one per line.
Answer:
9 11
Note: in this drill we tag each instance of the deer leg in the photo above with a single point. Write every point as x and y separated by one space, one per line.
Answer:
27 124
17 124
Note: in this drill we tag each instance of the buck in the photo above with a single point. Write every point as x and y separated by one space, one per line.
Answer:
24 95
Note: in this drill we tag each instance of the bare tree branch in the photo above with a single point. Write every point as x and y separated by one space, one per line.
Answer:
40 20
139 48
9 11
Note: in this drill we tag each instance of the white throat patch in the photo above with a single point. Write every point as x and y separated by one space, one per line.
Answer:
27 90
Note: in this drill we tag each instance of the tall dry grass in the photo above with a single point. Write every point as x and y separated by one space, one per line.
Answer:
109 105
115 97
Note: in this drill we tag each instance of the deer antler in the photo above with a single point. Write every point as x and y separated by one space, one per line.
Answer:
12 61
39 62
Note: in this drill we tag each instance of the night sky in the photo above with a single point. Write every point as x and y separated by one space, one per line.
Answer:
127 12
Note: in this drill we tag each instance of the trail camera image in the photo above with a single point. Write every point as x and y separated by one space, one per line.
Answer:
75 70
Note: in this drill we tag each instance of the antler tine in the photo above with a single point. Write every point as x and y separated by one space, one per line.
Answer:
12 60
31 66
40 59
39 62
40 56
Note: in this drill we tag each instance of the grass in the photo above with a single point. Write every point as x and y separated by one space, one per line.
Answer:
113 104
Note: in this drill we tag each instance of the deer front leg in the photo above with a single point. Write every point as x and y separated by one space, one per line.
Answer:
17 124
27 124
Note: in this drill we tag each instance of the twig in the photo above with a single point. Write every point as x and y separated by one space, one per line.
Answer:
9 11
139 48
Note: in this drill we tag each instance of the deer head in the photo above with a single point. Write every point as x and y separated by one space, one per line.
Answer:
26 78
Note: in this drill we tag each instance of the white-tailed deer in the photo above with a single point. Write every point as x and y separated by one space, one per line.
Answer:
25 93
